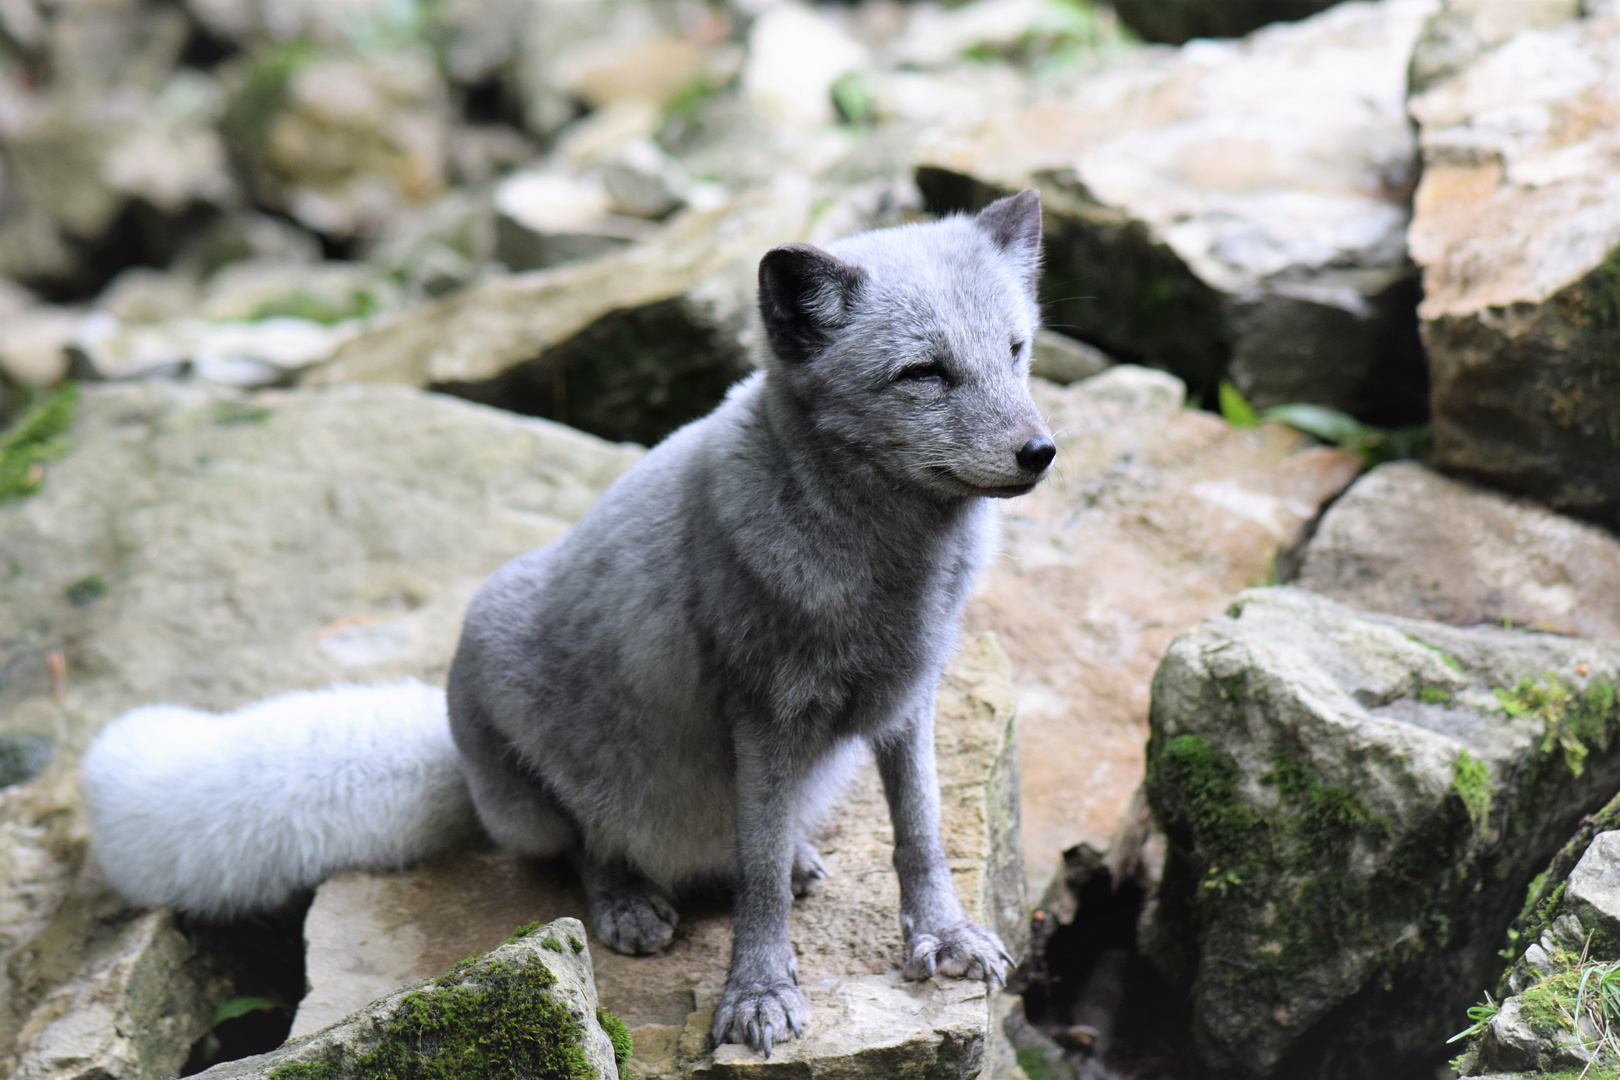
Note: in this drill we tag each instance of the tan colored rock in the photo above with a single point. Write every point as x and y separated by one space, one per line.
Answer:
486 986
1517 228
1238 204
1154 517
33 343
370 932
628 345
343 143
1407 541
1462 30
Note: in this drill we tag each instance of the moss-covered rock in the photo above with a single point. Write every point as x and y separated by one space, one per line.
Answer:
528 1009
1355 805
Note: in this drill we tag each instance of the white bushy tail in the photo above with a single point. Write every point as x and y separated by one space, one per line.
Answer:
220 815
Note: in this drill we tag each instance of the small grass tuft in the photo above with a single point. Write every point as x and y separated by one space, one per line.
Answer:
33 440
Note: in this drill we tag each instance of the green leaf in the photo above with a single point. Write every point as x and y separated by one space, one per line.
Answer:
241 1006
1235 408
1329 425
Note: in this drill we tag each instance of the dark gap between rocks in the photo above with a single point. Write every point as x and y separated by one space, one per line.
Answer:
631 376
264 958
1092 991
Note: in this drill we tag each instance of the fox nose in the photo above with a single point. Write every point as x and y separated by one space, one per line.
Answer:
1035 455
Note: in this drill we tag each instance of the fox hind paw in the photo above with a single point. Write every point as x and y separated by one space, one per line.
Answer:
963 951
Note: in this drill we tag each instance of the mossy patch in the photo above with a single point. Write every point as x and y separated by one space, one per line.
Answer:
1471 783
618 1032
86 590
311 1070
39 436
1573 721
1434 695
492 1019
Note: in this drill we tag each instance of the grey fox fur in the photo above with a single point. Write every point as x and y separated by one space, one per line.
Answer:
673 692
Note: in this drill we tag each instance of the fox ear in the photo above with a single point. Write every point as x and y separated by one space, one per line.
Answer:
804 294
1014 225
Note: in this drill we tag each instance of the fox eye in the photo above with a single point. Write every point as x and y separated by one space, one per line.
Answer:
924 372
1017 349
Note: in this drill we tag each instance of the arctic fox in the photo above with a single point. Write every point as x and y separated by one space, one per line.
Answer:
674 691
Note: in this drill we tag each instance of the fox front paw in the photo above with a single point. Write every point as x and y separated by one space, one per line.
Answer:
963 951
760 1014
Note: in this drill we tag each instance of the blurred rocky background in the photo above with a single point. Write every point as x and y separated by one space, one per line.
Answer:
1310 638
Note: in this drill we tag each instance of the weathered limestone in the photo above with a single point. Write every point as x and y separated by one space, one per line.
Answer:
1234 206
1154 517
1462 30
371 932
628 345
529 1003
211 549
1404 540
136 1001
1354 805
1517 228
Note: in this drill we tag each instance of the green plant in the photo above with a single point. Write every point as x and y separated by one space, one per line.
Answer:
1481 1015
33 440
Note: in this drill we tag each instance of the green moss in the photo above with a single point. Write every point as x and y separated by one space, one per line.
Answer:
1573 723
1034 1064
1434 695
86 591
235 413
1471 782
302 305
36 438
522 932
618 1033
495 1020
313 1070
576 944
553 944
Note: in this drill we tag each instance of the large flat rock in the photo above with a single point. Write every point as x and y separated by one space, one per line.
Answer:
629 345
1154 517
1517 228
370 933
1405 540
1235 204
210 550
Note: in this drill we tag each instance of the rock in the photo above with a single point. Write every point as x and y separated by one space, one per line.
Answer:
371 932
262 24
795 54
1457 34
544 218
629 345
86 173
1517 228
1155 516
1176 21
1404 540
211 549
1334 786
440 247
529 1003
137 1001
1592 893
1063 360
1230 207
268 352
33 343
342 143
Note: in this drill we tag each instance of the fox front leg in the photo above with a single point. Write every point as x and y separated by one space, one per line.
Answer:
762 1003
939 936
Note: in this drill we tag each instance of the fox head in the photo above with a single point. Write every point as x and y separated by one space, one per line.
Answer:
908 349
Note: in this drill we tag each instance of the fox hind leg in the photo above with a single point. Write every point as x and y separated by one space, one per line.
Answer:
631 915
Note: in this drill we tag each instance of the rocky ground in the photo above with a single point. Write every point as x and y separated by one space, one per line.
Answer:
1285 739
